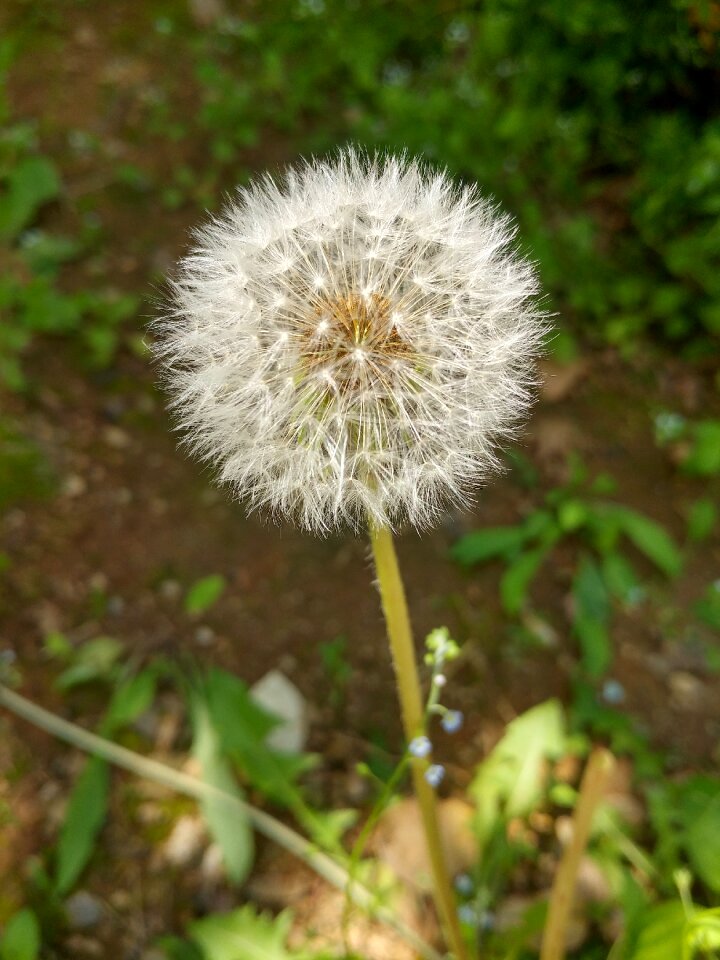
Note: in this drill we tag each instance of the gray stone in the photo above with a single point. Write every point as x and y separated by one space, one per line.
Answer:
83 910
276 694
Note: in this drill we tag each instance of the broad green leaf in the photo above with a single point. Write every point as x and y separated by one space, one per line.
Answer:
243 935
481 545
84 818
204 593
29 185
701 518
21 940
649 538
509 782
516 580
591 617
243 726
660 933
700 814
226 821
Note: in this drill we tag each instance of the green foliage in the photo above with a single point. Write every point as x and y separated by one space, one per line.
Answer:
604 573
509 782
243 933
226 821
589 123
204 593
97 659
21 939
695 443
84 818
24 471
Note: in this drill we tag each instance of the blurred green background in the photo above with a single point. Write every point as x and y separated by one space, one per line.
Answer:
595 123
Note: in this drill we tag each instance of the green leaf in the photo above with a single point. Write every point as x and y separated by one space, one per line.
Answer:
133 697
509 782
85 816
701 518
243 935
204 593
94 660
620 577
30 184
516 580
700 814
704 457
243 726
649 538
481 545
660 933
227 823
591 617
21 940
708 608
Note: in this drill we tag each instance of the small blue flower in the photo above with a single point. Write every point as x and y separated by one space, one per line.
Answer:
452 721
464 884
613 692
468 914
435 774
420 747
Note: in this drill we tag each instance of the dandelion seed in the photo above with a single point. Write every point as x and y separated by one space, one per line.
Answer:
420 747
429 347
435 774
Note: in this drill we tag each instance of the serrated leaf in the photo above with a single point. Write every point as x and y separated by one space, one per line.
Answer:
84 818
591 617
204 593
481 545
227 823
243 935
509 782
21 939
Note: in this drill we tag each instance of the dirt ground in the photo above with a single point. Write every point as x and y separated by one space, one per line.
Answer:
133 520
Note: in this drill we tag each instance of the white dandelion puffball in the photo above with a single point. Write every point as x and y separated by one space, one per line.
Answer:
351 343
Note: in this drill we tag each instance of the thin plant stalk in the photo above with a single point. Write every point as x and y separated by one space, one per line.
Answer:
592 788
394 605
273 829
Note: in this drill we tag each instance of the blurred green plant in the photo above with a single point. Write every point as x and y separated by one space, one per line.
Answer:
600 529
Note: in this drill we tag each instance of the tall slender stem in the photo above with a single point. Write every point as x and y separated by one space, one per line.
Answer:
592 788
394 604
191 786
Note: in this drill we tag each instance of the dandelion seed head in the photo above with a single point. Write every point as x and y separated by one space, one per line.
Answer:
353 341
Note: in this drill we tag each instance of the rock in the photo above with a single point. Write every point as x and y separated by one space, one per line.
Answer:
186 841
686 691
399 840
83 910
276 694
